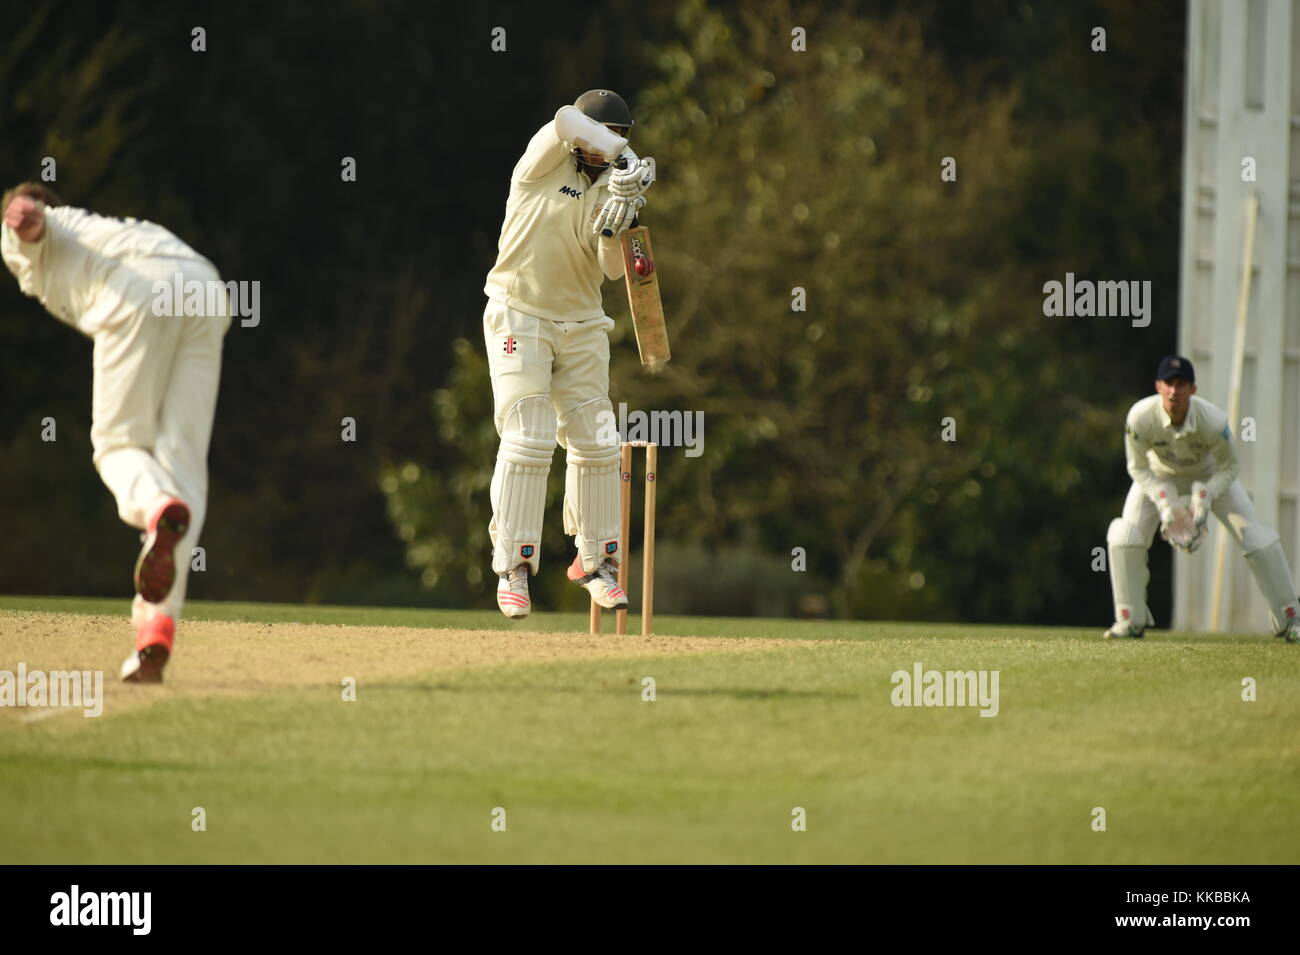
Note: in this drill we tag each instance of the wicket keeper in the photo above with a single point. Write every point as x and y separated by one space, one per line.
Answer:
155 381
576 189
1183 465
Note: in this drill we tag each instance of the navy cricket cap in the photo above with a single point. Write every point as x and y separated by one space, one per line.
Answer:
1176 366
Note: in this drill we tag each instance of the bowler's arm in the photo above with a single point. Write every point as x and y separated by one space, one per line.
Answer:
21 243
26 216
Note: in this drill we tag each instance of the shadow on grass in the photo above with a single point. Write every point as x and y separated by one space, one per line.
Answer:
34 761
739 693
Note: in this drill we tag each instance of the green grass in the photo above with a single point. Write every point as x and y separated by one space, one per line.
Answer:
1155 732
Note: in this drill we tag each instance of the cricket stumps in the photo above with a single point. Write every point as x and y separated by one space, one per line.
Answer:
648 542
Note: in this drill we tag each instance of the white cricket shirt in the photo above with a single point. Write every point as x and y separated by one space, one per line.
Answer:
1157 451
549 262
75 267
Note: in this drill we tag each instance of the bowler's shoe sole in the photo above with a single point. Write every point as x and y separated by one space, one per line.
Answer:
155 571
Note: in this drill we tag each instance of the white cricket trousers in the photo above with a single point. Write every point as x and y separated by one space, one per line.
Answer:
550 383
1258 542
155 395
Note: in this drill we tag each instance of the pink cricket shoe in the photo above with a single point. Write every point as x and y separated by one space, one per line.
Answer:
155 571
153 646
602 584
512 593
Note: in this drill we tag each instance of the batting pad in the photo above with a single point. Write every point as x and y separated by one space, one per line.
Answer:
519 484
591 484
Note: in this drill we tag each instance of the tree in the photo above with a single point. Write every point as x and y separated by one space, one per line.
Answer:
820 170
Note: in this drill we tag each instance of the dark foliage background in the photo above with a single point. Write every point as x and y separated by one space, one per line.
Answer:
822 427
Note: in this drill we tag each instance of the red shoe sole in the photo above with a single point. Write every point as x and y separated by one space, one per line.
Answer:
155 571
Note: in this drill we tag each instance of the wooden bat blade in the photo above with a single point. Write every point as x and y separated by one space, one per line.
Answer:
643 297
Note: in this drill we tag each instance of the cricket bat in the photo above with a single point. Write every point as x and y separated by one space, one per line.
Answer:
643 297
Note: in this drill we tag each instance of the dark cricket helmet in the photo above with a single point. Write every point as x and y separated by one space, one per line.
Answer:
605 107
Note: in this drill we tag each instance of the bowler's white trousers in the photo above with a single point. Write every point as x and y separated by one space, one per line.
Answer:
155 395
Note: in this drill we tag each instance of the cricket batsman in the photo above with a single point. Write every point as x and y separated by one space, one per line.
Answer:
1183 465
576 189
155 380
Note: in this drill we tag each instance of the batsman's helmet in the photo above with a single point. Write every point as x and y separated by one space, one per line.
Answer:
605 107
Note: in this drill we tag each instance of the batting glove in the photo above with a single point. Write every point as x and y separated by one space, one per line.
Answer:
617 214
632 181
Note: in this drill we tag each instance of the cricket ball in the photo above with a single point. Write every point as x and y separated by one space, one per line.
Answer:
642 265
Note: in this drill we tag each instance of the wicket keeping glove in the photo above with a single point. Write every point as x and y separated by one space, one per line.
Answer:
1200 504
1177 526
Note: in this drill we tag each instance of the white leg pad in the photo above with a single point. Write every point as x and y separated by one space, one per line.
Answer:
1129 574
1273 575
1262 549
591 484
519 484
1236 512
